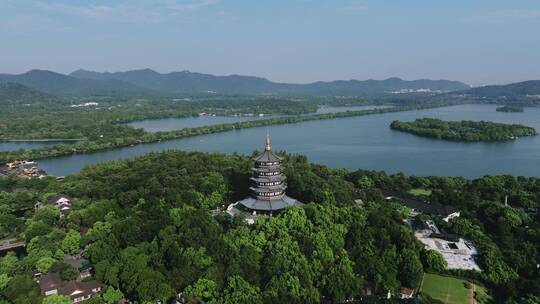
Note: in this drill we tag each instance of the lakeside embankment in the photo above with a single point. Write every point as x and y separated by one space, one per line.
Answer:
94 146
44 140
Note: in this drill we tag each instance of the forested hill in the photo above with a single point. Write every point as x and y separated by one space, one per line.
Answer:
190 82
17 94
63 85
525 88
146 227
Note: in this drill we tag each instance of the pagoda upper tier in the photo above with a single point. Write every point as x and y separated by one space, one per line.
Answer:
268 180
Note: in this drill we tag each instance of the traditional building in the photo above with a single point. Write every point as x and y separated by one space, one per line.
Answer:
23 168
52 284
268 187
405 293
61 202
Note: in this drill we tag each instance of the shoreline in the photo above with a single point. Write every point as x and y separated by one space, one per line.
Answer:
41 153
43 140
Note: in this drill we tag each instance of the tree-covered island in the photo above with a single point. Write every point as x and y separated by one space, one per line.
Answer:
465 130
507 108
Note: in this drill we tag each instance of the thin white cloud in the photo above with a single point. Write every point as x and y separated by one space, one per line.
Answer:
128 11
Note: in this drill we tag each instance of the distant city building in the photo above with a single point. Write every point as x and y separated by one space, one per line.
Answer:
86 104
268 188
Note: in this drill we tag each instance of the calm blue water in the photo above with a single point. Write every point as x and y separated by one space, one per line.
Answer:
364 142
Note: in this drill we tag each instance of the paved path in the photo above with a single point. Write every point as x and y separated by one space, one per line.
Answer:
7 244
473 292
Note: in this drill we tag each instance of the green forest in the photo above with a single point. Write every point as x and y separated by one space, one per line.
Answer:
146 225
465 130
509 108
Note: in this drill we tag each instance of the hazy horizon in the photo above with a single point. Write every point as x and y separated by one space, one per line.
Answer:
485 42
226 74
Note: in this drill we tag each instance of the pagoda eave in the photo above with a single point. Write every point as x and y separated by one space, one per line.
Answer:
270 178
268 169
268 189
269 205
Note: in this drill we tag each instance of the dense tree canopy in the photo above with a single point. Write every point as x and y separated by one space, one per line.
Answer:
468 131
146 225
510 108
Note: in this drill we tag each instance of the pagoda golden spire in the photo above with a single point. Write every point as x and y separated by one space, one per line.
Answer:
267 146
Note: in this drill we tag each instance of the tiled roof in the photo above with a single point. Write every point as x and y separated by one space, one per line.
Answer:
53 199
407 291
73 289
267 156
79 289
269 205
50 281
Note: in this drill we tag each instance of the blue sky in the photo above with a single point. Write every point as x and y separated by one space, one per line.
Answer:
475 41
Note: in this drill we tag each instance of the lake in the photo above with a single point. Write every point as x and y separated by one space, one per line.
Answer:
365 142
176 123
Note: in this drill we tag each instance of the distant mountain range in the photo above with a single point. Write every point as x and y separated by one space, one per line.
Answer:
530 87
148 82
186 82
64 85
16 93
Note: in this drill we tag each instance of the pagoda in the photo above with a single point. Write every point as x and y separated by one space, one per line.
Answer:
267 187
